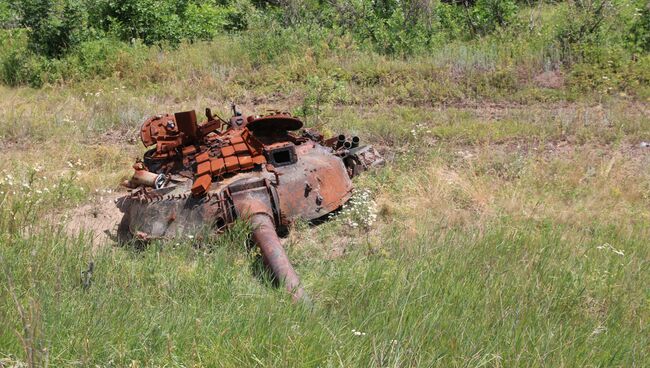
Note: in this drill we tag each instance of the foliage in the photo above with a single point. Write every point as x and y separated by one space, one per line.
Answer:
57 26
609 75
7 16
152 21
267 41
99 58
479 18
411 27
63 36
639 34
583 25
203 21
321 91
54 25
390 35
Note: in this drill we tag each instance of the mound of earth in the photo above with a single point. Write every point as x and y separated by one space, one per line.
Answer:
98 218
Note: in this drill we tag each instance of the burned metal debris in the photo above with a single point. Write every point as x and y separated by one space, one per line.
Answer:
257 168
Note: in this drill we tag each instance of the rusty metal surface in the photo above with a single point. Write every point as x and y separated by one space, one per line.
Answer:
257 168
314 186
274 255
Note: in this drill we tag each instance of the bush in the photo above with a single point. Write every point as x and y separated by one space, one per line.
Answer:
10 68
402 28
100 58
54 25
391 36
204 21
159 22
13 51
639 35
267 40
582 26
610 72
7 16
388 26
470 19
152 21
321 91
488 15
90 59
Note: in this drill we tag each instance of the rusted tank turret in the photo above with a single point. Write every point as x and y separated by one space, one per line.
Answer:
258 168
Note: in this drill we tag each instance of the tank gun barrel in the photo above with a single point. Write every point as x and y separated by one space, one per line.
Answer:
275 257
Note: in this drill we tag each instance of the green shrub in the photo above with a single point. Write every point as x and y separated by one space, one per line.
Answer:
390 35
611 72
488 15
15 58
57 26
10 68
152 21
90 59
479 18
204 21
160 22
54 25
99 58
7 16
639 34
267 40
582 26
321 91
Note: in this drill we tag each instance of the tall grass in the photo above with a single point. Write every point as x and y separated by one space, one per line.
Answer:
518 292
511 220
496 244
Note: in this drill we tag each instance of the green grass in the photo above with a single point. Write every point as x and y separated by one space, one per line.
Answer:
484 253
517 292
512 220
490 248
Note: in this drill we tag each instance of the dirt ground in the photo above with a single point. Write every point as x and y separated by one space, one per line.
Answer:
99 218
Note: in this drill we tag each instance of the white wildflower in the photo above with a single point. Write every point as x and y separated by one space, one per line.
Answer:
360 211
608 246
598 330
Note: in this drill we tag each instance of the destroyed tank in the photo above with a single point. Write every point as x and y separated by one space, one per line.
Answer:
265 169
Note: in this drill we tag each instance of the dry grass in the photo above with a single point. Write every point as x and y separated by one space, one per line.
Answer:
500 229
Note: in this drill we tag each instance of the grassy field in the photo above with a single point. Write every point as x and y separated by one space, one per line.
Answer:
512 220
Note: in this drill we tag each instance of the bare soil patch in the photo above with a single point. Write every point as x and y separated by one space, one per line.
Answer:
99 218
553 79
